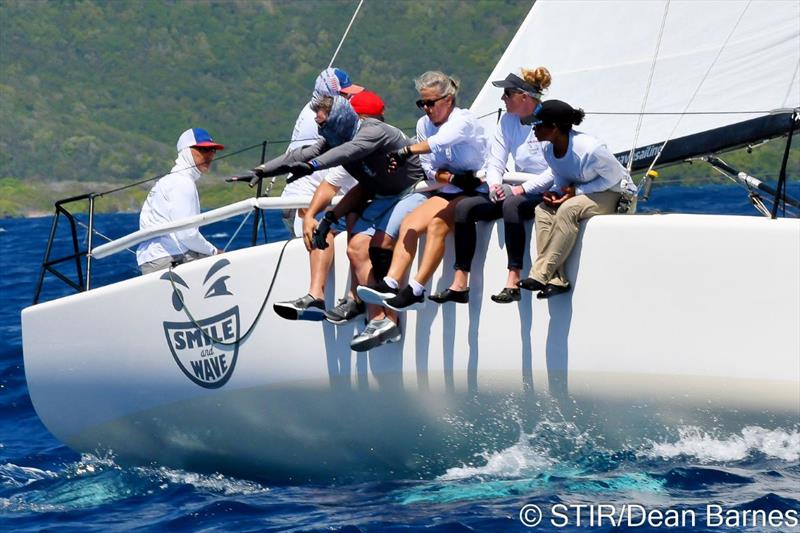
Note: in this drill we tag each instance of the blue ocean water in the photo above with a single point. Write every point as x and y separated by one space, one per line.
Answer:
46 486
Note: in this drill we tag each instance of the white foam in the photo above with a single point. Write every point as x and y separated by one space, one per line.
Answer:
705 447
19 476
532 454
213 482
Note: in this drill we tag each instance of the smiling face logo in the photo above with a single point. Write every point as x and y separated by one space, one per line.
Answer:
206 354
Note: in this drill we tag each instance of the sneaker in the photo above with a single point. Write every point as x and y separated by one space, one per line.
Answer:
378 332
552 290
531 284
375 293
449 295
506 296
346 310
305 308
406 300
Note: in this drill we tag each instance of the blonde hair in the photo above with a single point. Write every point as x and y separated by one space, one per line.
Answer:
538 77
433 79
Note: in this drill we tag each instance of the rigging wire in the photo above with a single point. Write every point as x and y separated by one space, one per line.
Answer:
697 89
649 84
346 31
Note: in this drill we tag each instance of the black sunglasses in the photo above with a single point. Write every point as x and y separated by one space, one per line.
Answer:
508 93
206 149
422 104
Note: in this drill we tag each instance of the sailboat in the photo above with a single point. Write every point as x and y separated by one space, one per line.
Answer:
671 316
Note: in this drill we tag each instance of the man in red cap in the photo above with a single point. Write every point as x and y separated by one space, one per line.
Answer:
337 180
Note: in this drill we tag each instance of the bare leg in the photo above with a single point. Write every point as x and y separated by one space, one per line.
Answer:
320 262
513 278
438 229
415 224
460 281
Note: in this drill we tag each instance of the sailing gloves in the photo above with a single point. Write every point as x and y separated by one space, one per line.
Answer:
298 170
398 158
500 192
319 239
466 181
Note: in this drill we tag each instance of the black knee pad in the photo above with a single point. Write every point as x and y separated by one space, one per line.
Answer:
381 261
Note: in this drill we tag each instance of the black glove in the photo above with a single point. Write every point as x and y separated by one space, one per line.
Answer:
298 170
319 239
399 157
466 181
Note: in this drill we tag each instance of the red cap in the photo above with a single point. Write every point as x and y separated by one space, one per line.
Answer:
367 103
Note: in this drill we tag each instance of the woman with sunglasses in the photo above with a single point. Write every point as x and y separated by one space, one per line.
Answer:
587 181
174 197
451 146
514 136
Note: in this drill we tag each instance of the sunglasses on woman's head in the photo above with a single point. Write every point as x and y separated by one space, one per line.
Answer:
422 104
206 149
508 93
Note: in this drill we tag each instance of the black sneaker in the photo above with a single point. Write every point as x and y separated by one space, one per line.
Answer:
377 332
375 293
305 308
530 284
506 296
346 310
552 290
405 300
449 295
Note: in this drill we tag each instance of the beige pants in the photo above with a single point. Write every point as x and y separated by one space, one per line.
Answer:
557 231
164 262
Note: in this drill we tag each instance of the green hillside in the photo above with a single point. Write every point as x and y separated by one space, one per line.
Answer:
98 91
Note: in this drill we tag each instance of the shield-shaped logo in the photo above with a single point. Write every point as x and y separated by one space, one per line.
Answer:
204 361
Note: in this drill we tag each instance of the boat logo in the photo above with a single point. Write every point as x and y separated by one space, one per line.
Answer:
205 350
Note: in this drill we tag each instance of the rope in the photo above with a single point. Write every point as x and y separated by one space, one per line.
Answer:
649 84
255 320
346 31
697 90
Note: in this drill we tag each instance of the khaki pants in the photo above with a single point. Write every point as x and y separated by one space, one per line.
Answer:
557 231
164 262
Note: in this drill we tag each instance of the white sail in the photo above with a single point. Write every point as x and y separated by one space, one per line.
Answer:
727 60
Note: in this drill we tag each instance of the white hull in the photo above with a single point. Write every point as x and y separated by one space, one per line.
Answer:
671 316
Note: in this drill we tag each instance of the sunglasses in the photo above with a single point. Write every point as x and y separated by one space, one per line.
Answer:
206 149
422 104
508 93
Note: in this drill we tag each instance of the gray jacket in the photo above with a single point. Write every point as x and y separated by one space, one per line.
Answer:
364 157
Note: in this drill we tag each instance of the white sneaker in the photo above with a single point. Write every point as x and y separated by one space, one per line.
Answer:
378 332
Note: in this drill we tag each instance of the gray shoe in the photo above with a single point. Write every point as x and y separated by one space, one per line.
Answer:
346 310
377 332
305 308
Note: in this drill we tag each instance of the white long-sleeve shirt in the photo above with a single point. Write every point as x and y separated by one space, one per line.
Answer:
172 198
588 165
517 140
305 132
458 145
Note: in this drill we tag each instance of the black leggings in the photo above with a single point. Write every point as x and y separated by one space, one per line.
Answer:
514 210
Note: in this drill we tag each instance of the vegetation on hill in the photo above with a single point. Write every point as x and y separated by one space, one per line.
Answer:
97 92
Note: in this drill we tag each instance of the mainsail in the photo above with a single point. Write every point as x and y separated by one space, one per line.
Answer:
705 74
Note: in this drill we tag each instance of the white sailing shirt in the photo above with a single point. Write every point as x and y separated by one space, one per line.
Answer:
172 198
516 140
458 145
588 165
